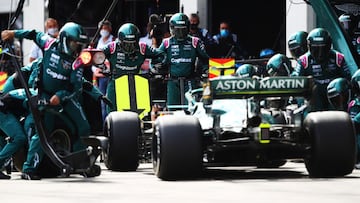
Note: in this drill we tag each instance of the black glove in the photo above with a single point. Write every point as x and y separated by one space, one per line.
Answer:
159 69
107 101
105 72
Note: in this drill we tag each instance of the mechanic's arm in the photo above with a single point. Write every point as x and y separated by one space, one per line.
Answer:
13 82
95 93
75 90
203 57
345 71
39 38
298 70
160 59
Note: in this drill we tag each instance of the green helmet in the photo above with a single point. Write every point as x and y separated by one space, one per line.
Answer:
355 83
246 71
319 44
129 35
338 93
72 39
179 26
297 44
348 22
279 65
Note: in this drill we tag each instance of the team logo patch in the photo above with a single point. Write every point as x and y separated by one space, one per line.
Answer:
339 59
77 63
195 41
48 43
142 48
112 47
166 42
304 61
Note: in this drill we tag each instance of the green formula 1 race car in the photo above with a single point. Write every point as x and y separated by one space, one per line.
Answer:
252 122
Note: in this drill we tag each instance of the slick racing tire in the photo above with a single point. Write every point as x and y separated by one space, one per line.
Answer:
177 147
123 130
332 144
60 141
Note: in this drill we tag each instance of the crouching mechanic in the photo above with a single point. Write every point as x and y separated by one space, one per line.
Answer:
182 52
11 110
60 83
324 64
354 111
126 55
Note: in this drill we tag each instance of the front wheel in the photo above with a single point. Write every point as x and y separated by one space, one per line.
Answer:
177 147
123 130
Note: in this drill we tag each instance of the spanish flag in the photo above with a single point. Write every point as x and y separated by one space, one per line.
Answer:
221 66
3 77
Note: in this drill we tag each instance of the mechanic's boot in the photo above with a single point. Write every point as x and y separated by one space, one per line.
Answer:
3 176
8 166
357 165
30 176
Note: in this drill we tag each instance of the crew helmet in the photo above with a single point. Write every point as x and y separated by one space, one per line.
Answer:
348 22
355 83
128 36
279 65
297 44
246 71
72 39
338 93
319 44
179 26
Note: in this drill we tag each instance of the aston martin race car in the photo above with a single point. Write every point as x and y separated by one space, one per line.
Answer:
252 122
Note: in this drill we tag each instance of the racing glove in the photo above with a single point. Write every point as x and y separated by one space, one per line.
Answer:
106 101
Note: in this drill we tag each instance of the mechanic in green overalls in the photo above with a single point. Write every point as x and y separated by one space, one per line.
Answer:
297 44
10 112
126 55
354 111
324 64
182 51
60 83
246 71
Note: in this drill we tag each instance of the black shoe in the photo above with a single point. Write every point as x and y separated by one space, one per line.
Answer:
357 165
30 176
3 176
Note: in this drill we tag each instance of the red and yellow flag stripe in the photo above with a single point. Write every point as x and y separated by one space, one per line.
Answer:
3 77
221 66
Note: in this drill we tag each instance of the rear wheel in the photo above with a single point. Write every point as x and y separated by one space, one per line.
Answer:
123 130
177 147
333 146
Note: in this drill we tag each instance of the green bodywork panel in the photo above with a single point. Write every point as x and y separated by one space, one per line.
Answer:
222 88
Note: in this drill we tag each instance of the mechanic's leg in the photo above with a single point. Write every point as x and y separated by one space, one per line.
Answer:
320 101
77 115
29 127
33 159
12 128
2 140
173 93
103 82
110 93
357 165
35 152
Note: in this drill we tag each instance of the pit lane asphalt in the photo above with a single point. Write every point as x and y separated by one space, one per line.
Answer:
290 183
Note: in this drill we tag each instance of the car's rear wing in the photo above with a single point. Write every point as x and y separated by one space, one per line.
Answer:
236 88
